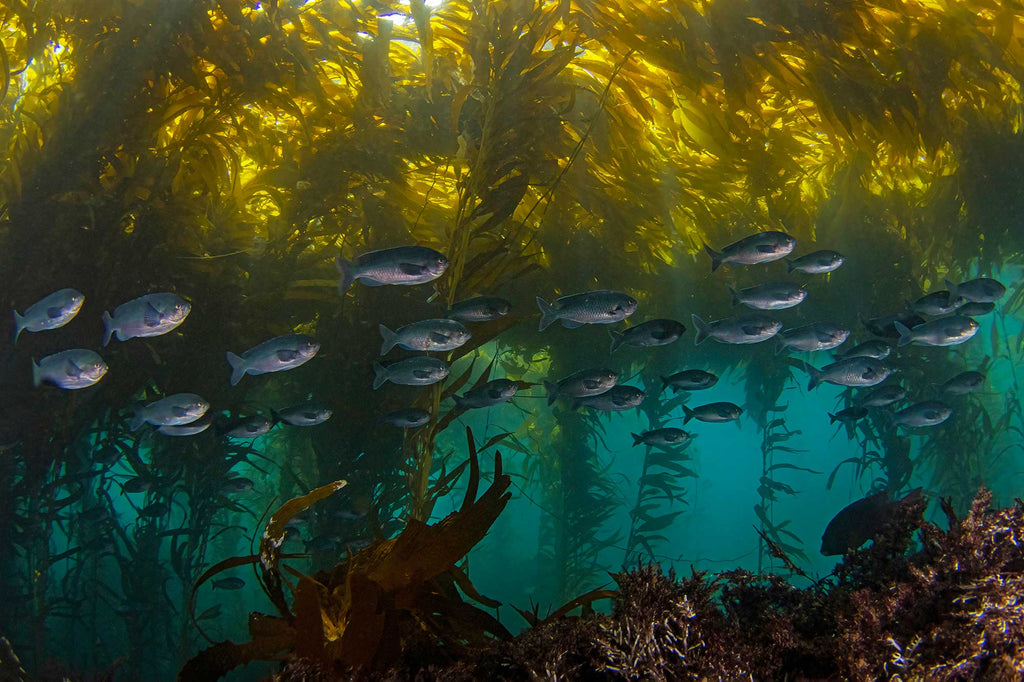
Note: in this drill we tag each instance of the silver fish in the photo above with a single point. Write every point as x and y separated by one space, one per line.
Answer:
713 412
304 414
882 396
145 316
927 413
935 303
403 265
769 296
817 263
417 371
190 429
615 399
647 334
762 247
964 382
812 337
581 384
875 348
980 290
439 335
736 330
946 331
855 371
689 380
479 309
592 307
972 309
407 418
174 410
275 355
493 392
69 369
666 436
251 427
50 312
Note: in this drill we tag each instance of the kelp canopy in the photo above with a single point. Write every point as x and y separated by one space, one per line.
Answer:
230 150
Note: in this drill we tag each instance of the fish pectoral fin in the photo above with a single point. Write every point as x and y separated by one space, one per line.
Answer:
412 269
421 374
286 355
54 312
73 369
590 384
438 337
751 330
152 316
764 248
494 394
179 411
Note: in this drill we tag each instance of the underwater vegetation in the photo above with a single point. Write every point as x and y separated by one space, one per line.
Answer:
225 223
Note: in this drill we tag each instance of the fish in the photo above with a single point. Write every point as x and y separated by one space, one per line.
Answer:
190 429
323 543
665 436
769 295
50 312
935 303
228 584
249 427
407 418
849 415
816 263
493 392
415 371
137 484
94 514
601 306
582 384
689 380
145 316
107 455
855 371
945 331
812 337
964 382
174 410
479 309
304 414
885 325
973 309
743 329
154 510
762 247
863 520
881 396
979 290
713 413
210 613
877 349
615 399
402 265
238 484
658 332
923 414
438 335
278 354
69 369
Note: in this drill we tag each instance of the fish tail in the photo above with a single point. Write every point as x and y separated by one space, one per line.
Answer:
19 324
832 418
954 291
390 339
138 419
815 376
552 389
108 328
702 327
548 314
575 404
789 265
275 418
716 257
380 375
690 414
617 338
780 345
664 383
460 402
733 294
237 368
637 439
347 272
905 333
37 376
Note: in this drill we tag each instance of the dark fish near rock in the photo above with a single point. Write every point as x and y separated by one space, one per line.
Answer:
980 290
70 369
479 309
416 371
659 332
136 485
278 354
50 312
769 296
855 371
403 265
849 415
879 350
689 380
581 384
817 263
145 316
666 436
615 399
440 334
965 382
946 331
863 520
973 309
935 303
882 396
885 326
713 413
812 337
736 330
762 247
493 392
592 307
305 414
155 510
407 418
